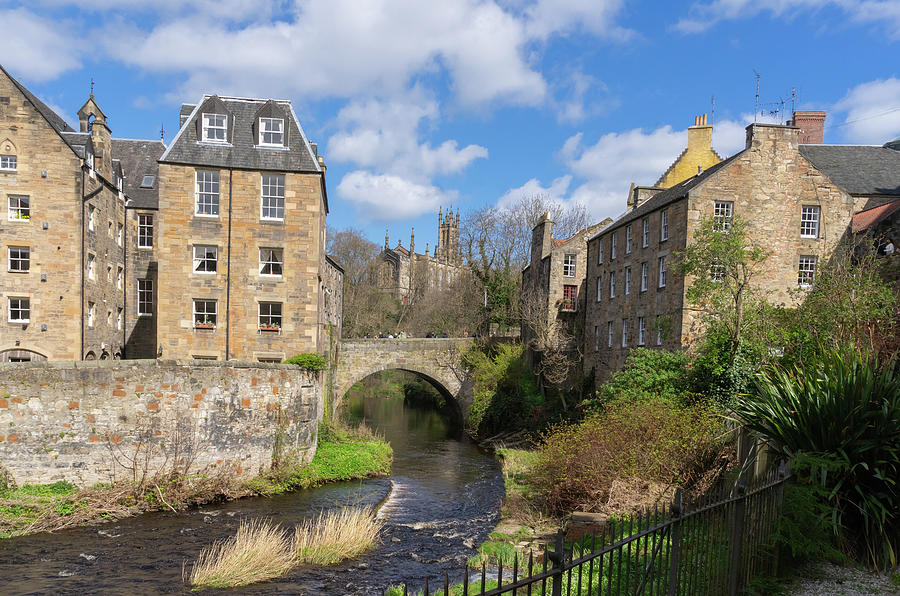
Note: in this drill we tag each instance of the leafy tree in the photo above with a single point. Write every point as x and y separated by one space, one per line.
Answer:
722 266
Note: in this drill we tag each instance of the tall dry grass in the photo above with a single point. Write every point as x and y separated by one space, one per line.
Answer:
258 552
335 535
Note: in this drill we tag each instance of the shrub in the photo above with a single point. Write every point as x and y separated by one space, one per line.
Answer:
650 440
258 552
648 374
308 361
336 535
843 414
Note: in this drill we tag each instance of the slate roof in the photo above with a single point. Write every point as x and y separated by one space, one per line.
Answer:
139 159
872 217
243 152
77 141
857 169
666 197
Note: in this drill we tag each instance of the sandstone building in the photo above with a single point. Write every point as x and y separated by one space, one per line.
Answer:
798 199
211 248
404 273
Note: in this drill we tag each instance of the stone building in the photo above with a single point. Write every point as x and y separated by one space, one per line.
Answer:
799 201
404 273
553 292
242 207
63 235
211 248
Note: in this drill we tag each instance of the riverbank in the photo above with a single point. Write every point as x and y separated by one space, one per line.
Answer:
341 454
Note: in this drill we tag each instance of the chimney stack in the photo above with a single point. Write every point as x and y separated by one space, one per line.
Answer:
811 124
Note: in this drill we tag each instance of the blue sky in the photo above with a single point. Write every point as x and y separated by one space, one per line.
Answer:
471 103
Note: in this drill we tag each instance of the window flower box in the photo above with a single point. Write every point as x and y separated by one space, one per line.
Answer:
199 325
275 328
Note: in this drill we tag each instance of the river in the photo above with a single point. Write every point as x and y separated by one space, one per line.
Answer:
443 499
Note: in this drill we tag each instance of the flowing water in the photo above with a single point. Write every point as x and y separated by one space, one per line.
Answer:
441 501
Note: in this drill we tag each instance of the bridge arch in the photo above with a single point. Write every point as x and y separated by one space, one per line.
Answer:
436 361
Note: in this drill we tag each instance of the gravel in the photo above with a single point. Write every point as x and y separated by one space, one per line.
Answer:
827 579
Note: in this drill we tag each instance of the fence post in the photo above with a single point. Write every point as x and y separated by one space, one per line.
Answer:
737 539
779 503
557 559
675 552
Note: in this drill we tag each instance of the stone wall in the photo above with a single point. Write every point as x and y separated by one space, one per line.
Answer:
88 422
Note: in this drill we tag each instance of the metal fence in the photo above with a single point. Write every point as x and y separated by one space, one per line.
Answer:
714 546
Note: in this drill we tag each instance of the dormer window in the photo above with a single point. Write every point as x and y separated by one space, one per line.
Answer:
215 127
89 159
271 131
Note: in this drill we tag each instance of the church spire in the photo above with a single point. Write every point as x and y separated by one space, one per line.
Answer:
386 244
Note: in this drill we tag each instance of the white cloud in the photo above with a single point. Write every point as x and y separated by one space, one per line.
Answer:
606 169
35 48
872 112
882 13
386 197
546 17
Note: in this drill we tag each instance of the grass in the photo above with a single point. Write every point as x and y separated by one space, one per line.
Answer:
258 552
336 535
21 507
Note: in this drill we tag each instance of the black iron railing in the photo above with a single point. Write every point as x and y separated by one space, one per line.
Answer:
714 546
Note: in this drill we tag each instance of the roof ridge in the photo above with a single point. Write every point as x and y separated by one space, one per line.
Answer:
671 167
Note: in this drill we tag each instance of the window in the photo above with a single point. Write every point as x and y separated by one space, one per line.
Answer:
90 314
19 259
600 251
596 338
645 234
624 333
109 318
569 295
628 240
717 272
270 316
205 259
644 277
569 265
19 209
120 234
119 318
214 127
89 160
663 225
599 288
145 231
91 210
90 266
109 229
662 272
19 310
120 278
612 284
271 131
612 246
271 261
8 162
642 330
609 334
204 314
809 221
109 273
147 181
658 332
207 193
722 213
627 280
272 197
806 273
145 297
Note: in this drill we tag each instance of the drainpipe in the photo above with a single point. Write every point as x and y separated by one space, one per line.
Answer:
84 199
228 274
124 280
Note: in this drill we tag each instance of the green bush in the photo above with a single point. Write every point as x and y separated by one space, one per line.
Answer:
650 440
842 413
505 396
308 361
648 374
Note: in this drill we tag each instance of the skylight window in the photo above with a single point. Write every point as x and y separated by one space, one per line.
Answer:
147 182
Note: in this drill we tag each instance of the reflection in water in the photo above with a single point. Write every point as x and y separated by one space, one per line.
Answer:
445 500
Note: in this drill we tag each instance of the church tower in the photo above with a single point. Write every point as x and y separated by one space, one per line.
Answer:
447 250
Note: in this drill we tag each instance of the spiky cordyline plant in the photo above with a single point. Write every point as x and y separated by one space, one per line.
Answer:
842 413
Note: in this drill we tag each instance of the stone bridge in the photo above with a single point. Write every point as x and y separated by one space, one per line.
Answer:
438 361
